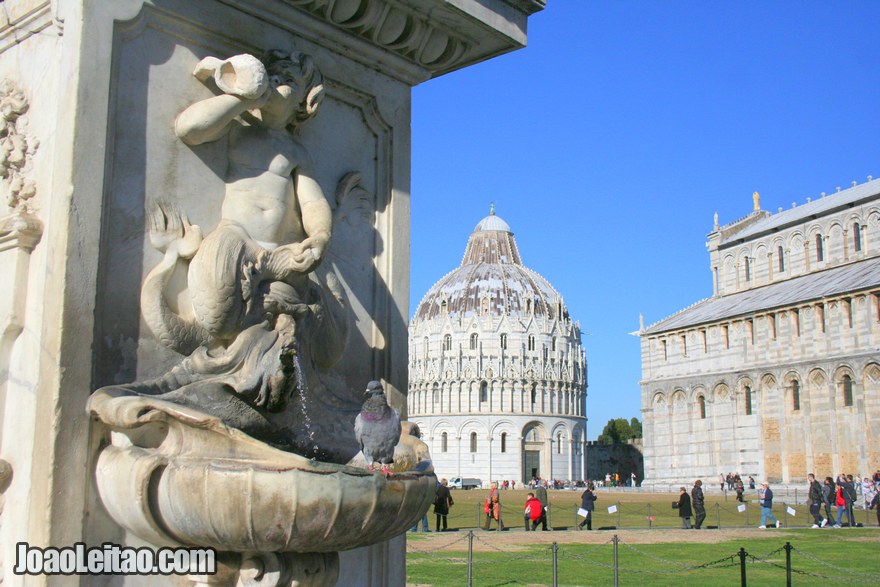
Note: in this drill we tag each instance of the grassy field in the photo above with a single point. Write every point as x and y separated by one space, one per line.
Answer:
662 555
634 510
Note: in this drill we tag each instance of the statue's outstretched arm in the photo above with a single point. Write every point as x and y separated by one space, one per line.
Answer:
210 119
244 83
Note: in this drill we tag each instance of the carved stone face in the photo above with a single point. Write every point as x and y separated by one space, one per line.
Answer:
285 98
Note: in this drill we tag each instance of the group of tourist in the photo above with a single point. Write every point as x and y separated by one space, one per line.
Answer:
833 496
690 505
734 482
841 494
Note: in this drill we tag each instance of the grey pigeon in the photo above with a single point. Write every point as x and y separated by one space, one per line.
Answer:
377 427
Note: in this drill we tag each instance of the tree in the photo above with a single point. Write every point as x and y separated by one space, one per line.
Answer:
619 430
636 427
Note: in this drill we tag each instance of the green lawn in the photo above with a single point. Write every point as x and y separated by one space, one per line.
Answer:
819 557
634 510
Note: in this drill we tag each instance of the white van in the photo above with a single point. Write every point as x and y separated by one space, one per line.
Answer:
465 483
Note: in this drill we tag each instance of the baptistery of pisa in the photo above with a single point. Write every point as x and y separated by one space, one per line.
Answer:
497 374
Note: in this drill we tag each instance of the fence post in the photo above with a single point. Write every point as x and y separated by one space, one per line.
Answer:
470 579
618 514
742 566
788 564
747 515
650 517
784 515
555 568
616 564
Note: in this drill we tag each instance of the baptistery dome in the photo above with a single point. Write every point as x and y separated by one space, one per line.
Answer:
492 280
497 375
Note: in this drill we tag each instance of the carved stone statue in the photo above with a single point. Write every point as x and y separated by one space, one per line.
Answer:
258 320
250 309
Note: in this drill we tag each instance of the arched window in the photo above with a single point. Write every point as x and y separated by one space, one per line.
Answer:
820 249
504 342
534 394
435 393
780 256
701 401
747 394
857 237
553 344
748 266
444 442
443 307
847 390
475 339
504 442
473 442
795 395
528 307
531 342
484 391
447 342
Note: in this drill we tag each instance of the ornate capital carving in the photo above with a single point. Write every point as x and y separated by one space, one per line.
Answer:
20 230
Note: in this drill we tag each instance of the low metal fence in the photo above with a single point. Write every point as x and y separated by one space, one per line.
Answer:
740 562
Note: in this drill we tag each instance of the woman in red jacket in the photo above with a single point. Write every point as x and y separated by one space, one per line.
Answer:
533 511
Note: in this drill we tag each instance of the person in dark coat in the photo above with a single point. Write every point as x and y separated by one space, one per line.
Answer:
875 505
829 491
699 503
588 501
684 508
815 499
442 503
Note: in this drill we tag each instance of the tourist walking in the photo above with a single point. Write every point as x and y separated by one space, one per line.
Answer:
840 502
684 508
492 507
533 511
442 503
829 495
816 500
766 506
541 496
699 503
740 489
588 500
875 505
849 496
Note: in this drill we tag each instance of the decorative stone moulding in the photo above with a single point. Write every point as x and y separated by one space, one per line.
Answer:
437 36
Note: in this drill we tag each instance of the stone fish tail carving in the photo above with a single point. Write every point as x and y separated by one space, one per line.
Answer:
179 240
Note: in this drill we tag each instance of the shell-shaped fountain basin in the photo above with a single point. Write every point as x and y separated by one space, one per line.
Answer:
175 476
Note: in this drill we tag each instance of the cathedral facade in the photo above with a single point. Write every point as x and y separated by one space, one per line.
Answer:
497 374
778 373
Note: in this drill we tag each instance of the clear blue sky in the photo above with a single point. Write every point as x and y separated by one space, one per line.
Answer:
608 143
